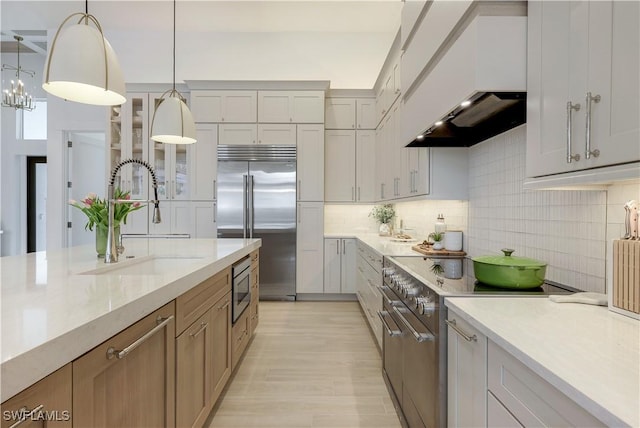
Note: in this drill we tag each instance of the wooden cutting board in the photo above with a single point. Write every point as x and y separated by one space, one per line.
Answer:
427 250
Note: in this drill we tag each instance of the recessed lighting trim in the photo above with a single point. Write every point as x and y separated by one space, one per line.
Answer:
438 123
465 103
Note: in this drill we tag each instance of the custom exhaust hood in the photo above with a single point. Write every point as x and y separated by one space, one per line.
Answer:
476 90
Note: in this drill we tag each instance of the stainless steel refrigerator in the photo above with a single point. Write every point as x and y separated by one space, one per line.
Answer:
256 191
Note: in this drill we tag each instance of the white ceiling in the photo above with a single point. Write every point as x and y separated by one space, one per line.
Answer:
220 16
345 42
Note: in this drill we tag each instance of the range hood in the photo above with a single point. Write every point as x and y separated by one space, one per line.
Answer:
475 90
483 116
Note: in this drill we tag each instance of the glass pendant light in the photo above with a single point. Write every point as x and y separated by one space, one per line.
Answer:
82 66
172 121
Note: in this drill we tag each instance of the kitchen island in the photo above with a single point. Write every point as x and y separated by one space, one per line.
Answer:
544 358
58 305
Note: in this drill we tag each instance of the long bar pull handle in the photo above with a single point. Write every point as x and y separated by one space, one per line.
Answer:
337 246
420 337
25 414
162 322
570 108
215 190
465 336
588 152
244 206
391 333
389 302
203 326
215 212
226 305
251 208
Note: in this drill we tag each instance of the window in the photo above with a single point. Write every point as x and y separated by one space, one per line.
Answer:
32 125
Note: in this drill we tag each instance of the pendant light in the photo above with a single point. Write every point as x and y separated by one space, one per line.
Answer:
17 97
172 121
82 66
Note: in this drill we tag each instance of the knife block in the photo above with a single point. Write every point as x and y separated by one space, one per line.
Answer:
624 296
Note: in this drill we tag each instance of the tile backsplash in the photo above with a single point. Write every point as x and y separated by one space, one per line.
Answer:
571 230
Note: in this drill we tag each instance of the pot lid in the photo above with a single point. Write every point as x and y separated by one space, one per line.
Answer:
508 260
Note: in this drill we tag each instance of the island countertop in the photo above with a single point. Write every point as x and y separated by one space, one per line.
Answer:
57 305
589 353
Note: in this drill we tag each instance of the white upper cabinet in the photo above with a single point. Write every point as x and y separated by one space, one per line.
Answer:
277 134
237 133
350 113
340 166
224 106
290 106
583 107
365 166
310 163
340 113
366 113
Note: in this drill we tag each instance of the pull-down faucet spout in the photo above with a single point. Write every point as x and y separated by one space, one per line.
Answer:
111 254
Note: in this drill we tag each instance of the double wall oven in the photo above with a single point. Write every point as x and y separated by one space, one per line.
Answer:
415 331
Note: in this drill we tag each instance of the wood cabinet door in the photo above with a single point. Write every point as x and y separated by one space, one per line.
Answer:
135 390
194 348
310 163
44 404
340 166
221 342
239 338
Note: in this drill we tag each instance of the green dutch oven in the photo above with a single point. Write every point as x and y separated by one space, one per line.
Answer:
509 272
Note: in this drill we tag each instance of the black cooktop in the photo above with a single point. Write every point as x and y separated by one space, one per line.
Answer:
454 276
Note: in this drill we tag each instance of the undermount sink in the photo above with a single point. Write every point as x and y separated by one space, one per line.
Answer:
149 265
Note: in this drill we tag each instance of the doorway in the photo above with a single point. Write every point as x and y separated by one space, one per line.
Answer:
86 173
36 203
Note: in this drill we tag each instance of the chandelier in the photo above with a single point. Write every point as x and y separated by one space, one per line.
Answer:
17 97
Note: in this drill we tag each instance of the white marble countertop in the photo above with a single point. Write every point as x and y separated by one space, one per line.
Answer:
381 244
589 353
52 312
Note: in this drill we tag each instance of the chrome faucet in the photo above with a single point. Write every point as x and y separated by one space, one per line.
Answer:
111 254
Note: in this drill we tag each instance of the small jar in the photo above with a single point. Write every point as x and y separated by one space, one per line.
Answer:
440 225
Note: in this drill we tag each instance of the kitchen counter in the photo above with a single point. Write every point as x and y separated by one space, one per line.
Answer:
381 244
589 353
58 305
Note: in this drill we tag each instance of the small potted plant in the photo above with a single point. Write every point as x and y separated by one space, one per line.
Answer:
437 238
383 215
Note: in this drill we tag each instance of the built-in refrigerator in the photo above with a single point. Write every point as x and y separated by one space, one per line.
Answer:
256 189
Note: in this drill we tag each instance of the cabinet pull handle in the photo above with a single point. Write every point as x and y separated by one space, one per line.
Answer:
465 336
215 190
570 107
588 152
420 337
25 414
215 210
162 322
391 333
337 246
173 188
203 326
226 305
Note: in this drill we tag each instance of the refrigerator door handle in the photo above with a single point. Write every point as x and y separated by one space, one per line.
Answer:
244 206
251 211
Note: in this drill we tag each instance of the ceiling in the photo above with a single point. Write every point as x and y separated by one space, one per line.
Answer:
358 33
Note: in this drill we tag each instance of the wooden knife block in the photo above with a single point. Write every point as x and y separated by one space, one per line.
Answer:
625 292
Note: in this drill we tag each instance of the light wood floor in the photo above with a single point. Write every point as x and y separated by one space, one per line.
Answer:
311 364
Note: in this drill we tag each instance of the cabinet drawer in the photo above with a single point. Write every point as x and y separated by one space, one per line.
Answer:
194 303
53 393
255 259
528 397
239 337
498 416
254 316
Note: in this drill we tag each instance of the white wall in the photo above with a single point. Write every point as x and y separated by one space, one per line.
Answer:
145 57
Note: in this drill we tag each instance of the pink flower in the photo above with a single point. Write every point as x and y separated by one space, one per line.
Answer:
88 202
91 196
136 204
128 197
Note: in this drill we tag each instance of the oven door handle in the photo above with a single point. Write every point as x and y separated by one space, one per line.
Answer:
389 302
391 333
420 337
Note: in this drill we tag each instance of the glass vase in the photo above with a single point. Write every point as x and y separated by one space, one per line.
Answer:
384 230
101 238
